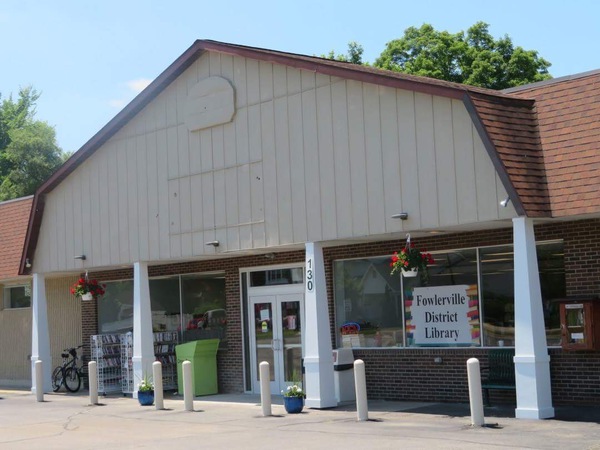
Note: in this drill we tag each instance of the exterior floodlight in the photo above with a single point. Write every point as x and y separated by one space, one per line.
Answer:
401 216
504 203
212 243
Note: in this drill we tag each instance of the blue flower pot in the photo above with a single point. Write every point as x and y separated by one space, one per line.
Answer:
146 398
293 405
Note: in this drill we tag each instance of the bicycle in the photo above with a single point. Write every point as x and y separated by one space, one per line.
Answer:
68 373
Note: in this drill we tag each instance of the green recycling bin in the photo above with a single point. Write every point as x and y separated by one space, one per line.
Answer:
203 356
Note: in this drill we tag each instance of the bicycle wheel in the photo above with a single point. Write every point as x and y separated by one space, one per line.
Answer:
57 379
72 379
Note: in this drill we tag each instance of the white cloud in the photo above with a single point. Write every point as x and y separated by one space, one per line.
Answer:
117 103
138 85
134 87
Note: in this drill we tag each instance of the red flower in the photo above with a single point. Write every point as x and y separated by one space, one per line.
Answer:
83 286
410 258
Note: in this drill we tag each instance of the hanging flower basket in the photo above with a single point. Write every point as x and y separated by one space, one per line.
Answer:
87 289
411 273
411 261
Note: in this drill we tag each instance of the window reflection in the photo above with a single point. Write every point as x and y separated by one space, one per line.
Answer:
369 305
192 305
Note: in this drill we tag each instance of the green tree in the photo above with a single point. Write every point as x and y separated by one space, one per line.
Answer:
354 55
474 58
28 150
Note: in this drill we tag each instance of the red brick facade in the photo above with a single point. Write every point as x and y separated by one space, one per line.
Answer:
411 374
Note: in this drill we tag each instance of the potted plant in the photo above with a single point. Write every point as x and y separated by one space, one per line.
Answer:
87 289
146 392
293 399
411 261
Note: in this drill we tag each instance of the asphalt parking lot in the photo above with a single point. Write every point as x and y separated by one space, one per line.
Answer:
235 421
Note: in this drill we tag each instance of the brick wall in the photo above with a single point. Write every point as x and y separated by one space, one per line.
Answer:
411 374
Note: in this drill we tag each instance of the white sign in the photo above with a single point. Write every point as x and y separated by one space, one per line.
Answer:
442 315
265 314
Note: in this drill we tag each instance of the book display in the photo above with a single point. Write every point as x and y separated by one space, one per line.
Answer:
106 351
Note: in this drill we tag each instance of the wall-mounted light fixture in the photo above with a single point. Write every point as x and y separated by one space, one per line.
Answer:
504 203
27 263
401 216
81 257
212 243
270 256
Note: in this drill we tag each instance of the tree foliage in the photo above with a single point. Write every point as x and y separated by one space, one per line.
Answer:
28 150
354 54
474 58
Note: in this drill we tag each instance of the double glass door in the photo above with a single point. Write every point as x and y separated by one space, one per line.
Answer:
276 336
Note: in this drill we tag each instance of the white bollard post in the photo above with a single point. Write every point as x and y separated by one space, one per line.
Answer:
188 386
475 398
265 388
39 381
360 385
158 385
93 382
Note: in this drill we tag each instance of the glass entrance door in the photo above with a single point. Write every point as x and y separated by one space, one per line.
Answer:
276 336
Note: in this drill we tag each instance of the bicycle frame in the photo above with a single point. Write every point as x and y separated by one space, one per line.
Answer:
68 373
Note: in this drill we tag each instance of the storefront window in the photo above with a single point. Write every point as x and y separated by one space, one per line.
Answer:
115 308
498 287
448 308
497 277
368 303
166 307
203 301
551 263
193 305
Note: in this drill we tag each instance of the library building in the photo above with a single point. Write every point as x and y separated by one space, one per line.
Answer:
268 206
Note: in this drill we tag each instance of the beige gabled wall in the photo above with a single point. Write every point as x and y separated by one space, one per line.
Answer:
307 157
64 320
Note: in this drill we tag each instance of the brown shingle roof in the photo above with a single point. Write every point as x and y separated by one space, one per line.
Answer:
511 125
568 111
14 215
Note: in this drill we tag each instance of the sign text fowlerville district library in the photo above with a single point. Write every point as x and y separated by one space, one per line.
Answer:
440 315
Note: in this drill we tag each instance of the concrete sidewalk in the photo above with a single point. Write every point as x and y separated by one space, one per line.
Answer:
68 421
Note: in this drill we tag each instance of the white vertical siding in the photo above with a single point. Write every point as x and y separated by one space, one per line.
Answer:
358 174
306 157
326 162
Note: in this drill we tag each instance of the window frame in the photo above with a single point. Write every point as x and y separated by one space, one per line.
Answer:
6 299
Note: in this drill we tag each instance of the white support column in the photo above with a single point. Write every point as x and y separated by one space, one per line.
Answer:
532 362
143 345
40 336
318 356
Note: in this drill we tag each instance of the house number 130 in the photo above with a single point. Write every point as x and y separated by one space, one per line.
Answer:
310 282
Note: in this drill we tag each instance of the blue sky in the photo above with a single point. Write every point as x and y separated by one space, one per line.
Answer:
89 58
